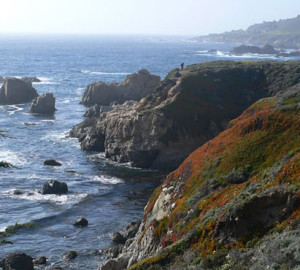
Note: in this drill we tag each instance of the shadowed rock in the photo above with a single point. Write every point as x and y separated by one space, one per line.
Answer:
81 222
16 91
43 104
18 261
55 187
52 162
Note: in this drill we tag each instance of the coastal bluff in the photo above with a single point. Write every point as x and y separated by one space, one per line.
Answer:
188 109
233 203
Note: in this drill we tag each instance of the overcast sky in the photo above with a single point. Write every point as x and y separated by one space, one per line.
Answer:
175 17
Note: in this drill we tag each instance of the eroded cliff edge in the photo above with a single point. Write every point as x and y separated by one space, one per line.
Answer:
234 203
188 109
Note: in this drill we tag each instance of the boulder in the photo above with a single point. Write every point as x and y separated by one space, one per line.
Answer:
131 229
16 91
134 87
18 261
18 192
30 79
55 187
70 255
40 261
118 238
52 162
43 104
81 222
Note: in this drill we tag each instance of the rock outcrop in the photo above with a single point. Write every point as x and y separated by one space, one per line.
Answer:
52 162
190 108
134 87
18 261
16 91
81 222
202 217
43 104
243 49
55 187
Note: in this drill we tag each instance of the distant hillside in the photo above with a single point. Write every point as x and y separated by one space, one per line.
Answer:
281 34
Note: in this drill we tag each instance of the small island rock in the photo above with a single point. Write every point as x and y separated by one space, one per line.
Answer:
81 222
43 104
55 187
52 162
16 91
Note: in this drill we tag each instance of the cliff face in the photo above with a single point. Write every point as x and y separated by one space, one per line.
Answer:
134 87
190 108
281 34
234 203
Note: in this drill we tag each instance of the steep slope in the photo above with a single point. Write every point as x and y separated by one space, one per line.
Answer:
190 108
234 203
281 34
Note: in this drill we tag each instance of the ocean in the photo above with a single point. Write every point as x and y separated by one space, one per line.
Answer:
108 194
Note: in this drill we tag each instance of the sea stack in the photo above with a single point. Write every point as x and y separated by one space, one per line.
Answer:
16 91
43 104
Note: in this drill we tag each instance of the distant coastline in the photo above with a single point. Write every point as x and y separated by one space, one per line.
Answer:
283 34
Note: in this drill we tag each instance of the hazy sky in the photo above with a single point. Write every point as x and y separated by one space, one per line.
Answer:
190 17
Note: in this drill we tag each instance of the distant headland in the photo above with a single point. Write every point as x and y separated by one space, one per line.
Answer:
284 34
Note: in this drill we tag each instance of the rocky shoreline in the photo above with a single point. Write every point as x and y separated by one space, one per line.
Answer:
232 128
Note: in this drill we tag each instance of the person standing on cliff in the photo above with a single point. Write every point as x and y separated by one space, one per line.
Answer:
182 65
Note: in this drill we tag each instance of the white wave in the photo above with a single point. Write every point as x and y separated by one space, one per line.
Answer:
47 120
55 136
67 199
16 159
104 73
14 108
79 90
107 180
45 80
229 55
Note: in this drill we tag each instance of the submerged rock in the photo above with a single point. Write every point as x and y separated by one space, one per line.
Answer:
43 104
55 187
18 192
16 91
134 87
52 162
70 255
81 222
40 261
18 261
